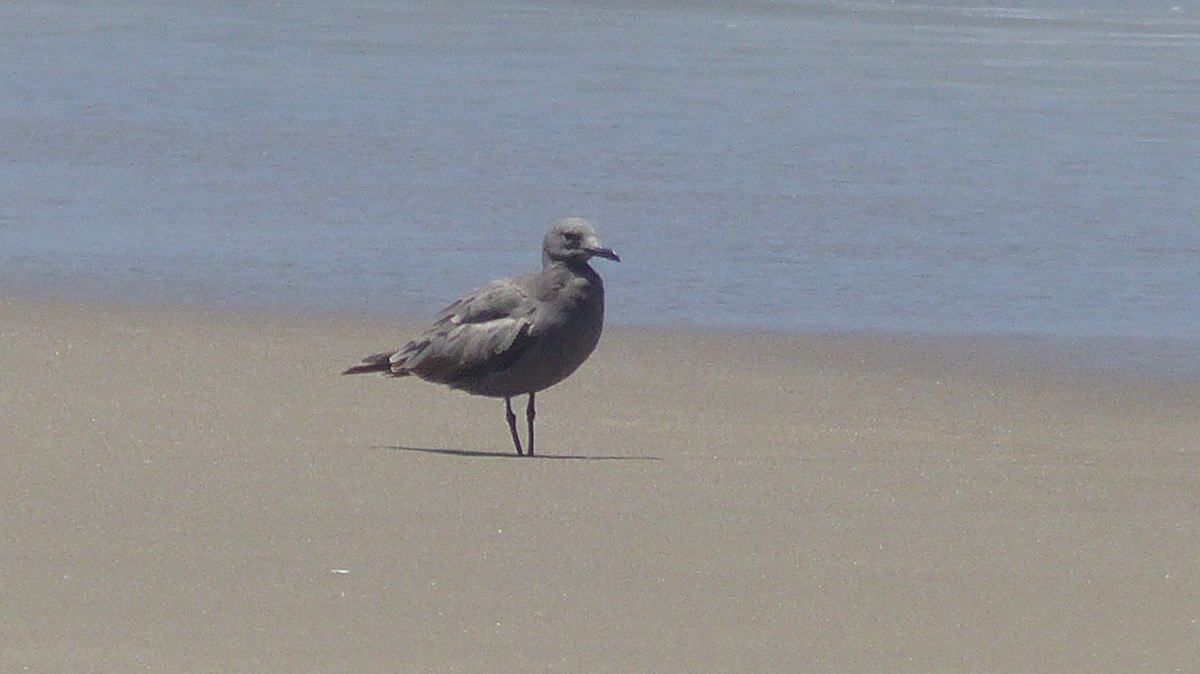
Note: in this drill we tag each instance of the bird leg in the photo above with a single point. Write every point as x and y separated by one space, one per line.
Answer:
512 425
530 414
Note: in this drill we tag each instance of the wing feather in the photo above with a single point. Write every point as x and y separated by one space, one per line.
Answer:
483 331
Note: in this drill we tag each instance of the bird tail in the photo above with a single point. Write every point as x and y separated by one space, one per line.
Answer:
379 362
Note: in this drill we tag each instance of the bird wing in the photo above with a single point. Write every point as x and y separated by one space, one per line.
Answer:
484 331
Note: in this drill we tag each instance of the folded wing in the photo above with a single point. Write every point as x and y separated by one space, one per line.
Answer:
482 332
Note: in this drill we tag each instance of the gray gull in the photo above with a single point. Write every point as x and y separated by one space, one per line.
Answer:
517 335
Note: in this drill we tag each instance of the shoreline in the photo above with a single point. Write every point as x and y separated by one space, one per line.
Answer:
1149 360
195 490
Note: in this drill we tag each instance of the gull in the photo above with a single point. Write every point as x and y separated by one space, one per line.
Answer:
516 336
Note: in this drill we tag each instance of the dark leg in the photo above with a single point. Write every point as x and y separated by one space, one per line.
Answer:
512 424
530 414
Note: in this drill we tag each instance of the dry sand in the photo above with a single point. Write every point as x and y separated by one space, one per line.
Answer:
192 491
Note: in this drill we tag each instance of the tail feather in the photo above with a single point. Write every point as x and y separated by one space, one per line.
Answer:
379 362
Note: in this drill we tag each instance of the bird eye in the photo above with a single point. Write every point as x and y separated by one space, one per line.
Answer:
572 237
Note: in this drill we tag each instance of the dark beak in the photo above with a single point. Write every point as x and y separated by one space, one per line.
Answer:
606 253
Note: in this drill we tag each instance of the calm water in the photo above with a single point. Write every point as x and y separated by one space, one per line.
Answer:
946 169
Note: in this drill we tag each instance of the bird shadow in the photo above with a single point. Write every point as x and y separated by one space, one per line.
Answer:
481 454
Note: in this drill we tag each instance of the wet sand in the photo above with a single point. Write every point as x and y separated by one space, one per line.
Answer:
199 491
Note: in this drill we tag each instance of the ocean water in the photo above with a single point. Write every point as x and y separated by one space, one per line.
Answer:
1024 170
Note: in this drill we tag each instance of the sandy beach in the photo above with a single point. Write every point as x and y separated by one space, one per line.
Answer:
199 491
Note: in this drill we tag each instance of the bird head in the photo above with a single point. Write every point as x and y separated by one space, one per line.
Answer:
573 240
